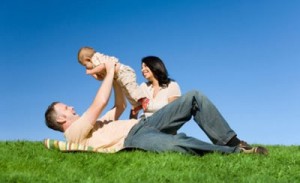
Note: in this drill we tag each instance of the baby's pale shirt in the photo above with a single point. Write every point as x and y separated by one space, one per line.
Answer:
99 58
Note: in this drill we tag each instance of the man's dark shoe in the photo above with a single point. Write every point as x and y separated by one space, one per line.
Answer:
246 148
244 145
255 150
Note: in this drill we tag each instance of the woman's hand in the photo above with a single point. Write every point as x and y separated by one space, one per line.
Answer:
133 114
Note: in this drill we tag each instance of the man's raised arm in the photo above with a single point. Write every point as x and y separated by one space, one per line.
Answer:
119 106
102 97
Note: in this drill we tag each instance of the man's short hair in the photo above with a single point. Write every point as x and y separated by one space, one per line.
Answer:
50 118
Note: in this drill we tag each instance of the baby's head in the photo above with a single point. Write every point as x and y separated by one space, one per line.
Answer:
85 55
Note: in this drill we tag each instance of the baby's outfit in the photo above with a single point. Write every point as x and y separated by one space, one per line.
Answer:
126 77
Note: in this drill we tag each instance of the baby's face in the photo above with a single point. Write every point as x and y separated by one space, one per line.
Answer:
87 64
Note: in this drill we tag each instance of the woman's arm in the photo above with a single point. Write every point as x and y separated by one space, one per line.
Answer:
171 99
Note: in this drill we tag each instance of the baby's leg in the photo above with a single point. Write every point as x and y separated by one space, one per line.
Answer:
127 79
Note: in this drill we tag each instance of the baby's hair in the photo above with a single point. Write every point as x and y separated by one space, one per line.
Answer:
85 52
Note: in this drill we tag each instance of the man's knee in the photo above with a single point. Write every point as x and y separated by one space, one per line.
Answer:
194 93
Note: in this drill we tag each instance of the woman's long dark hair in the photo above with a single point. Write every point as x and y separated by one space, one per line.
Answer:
158 69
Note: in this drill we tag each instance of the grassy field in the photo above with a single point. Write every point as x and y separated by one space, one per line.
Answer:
24 161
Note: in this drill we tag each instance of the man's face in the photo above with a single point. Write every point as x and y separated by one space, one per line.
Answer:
64 111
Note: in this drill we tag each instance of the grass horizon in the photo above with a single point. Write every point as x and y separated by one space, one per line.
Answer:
28 161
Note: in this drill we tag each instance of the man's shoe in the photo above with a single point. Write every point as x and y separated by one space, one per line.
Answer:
254 150
246 148
244 145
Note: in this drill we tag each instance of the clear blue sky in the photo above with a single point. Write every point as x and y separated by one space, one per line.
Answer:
244 55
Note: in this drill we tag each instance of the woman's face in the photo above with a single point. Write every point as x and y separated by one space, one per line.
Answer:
147 73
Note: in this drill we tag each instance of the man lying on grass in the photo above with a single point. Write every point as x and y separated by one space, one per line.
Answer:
156 133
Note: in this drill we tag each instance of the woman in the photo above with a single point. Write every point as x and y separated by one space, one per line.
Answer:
159 89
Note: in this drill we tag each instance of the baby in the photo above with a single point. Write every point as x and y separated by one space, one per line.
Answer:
94 62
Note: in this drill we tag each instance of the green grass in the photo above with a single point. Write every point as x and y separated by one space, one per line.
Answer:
24 161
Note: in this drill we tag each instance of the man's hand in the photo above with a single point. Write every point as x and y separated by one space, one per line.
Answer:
98 77
99 72
110 66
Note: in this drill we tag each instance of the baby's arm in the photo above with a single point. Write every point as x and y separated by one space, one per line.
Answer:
97 70
97 77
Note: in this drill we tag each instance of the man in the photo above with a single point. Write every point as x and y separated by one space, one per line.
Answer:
155 133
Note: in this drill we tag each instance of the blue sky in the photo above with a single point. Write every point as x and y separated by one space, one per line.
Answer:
244 55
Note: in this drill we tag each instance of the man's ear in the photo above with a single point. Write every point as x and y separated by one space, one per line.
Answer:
61 119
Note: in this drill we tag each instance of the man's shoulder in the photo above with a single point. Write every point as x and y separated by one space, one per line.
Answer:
80 123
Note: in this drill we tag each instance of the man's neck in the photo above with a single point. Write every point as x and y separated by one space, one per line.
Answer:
69 122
